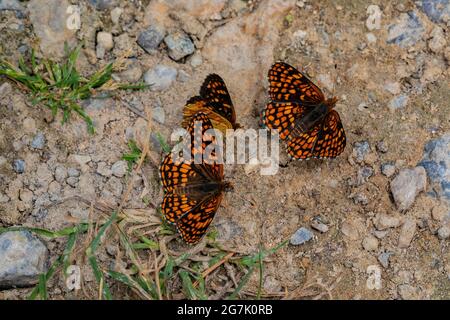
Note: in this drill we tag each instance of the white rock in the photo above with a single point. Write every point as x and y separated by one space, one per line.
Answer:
105 40
384 221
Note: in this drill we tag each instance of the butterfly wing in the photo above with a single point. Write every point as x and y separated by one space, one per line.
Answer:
215 93
193 225
198 104
302 146
287 84
331 140
281 116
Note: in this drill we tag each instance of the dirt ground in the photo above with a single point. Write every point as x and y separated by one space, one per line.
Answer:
239 40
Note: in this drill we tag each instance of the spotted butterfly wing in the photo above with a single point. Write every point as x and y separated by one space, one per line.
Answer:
192 197
287 84
215 101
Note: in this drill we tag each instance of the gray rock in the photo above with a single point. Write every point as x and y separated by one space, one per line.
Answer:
407 185
120 168
319 226
179 45
72 172
19 165
49 19
383 258
161 77
38 141
388 169
436 10
72 181
444 231
150 38
103 4
12 5
360 150
398 102
23 257
406 31
301 236
158 115
103 169
407 233
382 147
60 173
364 174
436 161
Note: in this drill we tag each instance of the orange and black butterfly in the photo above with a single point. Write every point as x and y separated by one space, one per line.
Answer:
193 192
215 101
302 115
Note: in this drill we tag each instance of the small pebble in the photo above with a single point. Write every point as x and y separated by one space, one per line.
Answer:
382 147
72 172
115 15
150 38
407 185
19 166
103 169
60 174
360 150
319 226
119 168
301 236
388 169
349 230
407 233
72 181
196 60
161 77
398 102
444 232
179 45
370 243
384 221
383 258
38 141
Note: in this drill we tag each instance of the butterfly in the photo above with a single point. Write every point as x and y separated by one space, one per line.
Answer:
302 115
215 101
193 192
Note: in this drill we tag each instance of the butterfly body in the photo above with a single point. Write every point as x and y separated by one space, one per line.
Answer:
303 117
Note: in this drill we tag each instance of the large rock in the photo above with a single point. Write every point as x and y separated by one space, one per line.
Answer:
406 185
436 161
436 10
50 19
23 257
406 31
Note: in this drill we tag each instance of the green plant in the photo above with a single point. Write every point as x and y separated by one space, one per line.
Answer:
59 86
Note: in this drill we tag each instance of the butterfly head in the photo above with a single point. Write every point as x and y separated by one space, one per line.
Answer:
330 103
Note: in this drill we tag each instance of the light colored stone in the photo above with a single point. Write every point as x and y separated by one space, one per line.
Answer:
407 185
370 243
349 230
49 19
23 258
384 221
115 15
301 236
438 41
104 169
119 168
161 77
407 233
